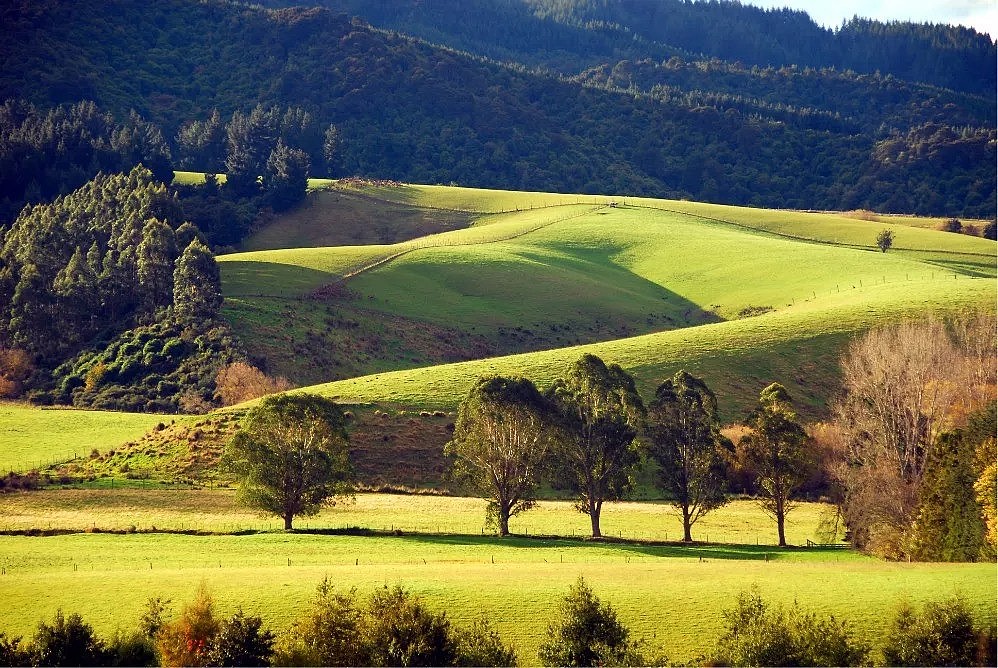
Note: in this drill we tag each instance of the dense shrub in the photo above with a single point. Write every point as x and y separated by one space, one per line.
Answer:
391 628
481 645
149 368
68 641
759 635
241 641
12 653
131 649
399 630
944 634
587 634
326 635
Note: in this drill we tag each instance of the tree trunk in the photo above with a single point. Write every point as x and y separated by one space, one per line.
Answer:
780 516
503 520
287 522
687 527
594 511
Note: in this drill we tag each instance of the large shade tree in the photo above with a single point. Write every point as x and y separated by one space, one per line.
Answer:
599 414
501 438
776 450
685 441
291 456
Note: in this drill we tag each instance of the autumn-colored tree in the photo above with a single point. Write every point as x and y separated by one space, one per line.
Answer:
241 381
15 367
904 386
187 641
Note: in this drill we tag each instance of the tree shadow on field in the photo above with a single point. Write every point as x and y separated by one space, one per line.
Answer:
698 551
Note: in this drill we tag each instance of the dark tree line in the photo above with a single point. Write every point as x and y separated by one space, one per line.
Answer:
411 111
569 36
104 289
47 153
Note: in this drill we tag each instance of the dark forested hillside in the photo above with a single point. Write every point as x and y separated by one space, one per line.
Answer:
408 110
572 35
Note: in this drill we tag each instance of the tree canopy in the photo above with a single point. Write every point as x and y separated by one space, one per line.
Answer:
686 443
501 439
776 451
291 456
599 413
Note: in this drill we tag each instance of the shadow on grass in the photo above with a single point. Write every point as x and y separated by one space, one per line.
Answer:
668 550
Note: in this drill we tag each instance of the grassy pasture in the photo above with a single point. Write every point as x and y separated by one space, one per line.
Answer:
32 436
911 232
729 354
741 521
673 596
570 274
649 260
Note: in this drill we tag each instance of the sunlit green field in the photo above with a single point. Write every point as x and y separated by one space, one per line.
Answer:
673 596
575 270
728 354
831 227
741 521
32 437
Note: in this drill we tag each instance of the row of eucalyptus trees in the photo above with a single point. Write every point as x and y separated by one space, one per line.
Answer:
591 431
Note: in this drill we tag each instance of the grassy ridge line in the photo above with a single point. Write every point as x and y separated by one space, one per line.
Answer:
836 227
797 237
445 239
653 356
468 200
305 269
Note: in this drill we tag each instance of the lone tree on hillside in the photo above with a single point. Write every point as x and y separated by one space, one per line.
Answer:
687 445
775 449
501 438
599 411
885 240
291 454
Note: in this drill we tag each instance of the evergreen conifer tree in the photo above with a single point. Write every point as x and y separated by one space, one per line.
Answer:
197 290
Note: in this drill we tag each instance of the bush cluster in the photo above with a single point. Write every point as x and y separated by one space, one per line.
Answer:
393 627
148 369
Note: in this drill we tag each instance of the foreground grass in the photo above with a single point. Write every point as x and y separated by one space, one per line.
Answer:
33 437
672 596
741 521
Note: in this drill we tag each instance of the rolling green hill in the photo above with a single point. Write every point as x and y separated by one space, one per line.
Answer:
35 438
743 296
